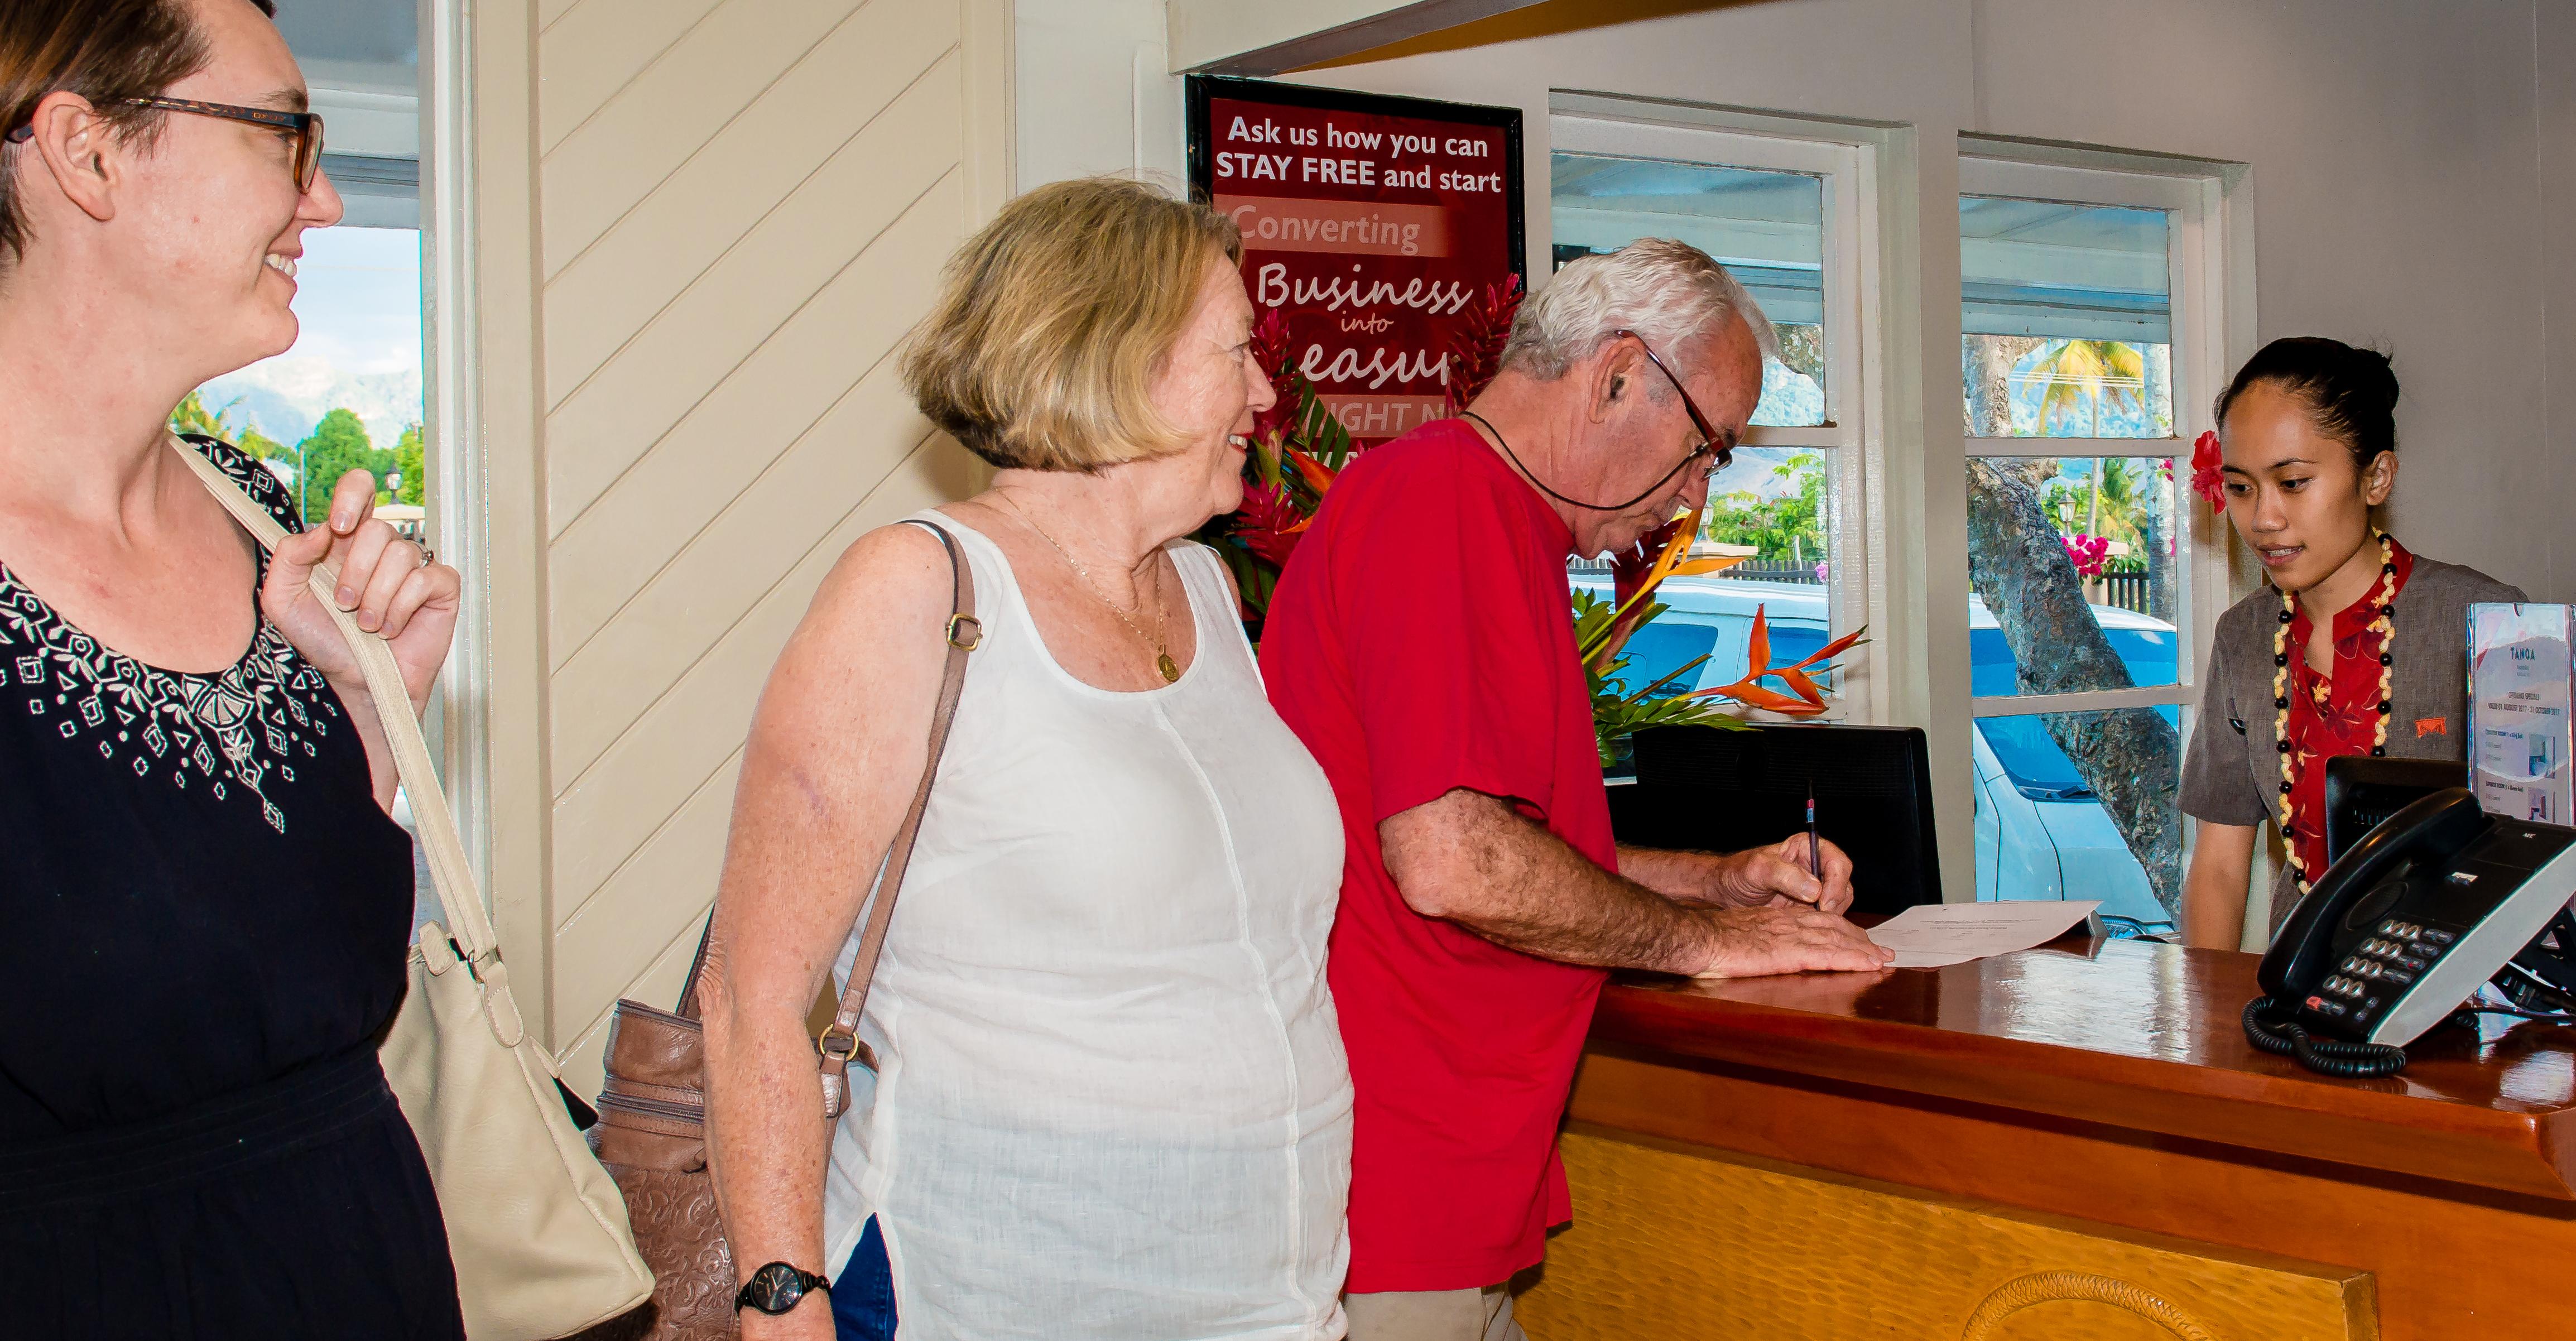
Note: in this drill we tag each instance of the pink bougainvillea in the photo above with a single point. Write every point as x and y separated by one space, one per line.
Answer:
2087 553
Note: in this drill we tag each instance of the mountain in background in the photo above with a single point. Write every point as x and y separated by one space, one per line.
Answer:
285 397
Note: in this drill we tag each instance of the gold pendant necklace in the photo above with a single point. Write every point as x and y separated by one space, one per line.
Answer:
1169 669
2385 625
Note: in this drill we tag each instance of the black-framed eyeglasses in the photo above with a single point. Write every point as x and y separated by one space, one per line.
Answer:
1720 450
305 126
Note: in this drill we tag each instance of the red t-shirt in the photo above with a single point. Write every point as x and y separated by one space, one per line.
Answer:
1422 641
2333 716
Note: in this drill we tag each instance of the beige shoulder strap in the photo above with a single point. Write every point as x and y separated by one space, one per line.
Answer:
461 901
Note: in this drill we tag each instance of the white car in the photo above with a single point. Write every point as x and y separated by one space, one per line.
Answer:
2041 833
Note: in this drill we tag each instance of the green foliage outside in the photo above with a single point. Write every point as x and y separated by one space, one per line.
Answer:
1789 526
412 461
2116 509
192 416
339 444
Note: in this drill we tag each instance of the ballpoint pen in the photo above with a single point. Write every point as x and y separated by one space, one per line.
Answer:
1815 852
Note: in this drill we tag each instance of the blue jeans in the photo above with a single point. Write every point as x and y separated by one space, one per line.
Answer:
863 1295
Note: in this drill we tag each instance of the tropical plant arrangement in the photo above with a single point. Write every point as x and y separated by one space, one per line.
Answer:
1602 629
1298 448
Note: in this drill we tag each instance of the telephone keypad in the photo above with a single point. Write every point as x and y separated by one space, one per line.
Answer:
2384 964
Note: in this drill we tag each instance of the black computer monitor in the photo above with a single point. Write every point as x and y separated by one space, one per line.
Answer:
1707 790
2361 792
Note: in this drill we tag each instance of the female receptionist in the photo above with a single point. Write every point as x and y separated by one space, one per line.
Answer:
2356 646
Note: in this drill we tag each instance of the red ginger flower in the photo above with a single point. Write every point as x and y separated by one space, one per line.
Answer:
1269 524
1270 350
1476 345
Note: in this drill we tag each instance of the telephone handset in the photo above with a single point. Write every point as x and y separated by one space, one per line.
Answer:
2403 928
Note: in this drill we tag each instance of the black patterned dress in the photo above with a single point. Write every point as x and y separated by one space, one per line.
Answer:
203 924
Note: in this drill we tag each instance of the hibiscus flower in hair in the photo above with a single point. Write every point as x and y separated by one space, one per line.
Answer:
2205 478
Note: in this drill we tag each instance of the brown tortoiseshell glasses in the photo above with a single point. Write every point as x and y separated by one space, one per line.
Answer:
306 127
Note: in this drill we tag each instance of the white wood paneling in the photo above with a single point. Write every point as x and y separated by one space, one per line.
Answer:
725 215
724 64
736 183
616 39
720 326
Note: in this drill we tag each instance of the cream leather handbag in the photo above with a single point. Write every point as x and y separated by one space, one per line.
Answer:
536 1227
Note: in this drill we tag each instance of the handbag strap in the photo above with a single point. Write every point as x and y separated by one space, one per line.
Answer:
839 1043
458 896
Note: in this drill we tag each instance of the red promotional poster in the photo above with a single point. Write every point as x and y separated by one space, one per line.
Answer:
1370 223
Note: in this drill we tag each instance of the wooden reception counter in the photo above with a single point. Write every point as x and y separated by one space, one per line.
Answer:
2068 1143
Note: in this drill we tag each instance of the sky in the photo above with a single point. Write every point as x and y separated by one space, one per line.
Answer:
358 297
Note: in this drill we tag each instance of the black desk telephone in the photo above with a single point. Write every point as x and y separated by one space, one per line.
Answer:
2407 924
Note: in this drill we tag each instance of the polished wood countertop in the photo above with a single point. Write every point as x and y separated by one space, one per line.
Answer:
2138 1039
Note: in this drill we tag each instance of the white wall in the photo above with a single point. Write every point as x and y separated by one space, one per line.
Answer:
1094 90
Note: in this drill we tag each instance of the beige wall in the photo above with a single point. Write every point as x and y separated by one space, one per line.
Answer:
701 227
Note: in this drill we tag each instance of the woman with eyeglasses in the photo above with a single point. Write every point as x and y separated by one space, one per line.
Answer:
207 901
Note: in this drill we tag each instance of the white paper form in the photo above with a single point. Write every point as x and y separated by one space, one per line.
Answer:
1933 934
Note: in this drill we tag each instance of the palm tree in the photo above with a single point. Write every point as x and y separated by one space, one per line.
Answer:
2120 499
2077 374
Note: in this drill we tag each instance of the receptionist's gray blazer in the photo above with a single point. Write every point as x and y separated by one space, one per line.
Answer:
2231 774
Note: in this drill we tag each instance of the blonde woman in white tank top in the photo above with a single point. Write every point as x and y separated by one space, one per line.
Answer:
1111 1100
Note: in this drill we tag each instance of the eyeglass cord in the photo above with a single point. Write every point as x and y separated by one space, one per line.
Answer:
1571 502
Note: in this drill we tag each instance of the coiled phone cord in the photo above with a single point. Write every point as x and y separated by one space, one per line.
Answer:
2325 1056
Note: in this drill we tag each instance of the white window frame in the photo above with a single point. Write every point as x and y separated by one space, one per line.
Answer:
1855 535
452 415
2190 196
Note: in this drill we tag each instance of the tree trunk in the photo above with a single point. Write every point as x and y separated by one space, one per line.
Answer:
1990 363
2156 362
2157 531
2163 514
2128 756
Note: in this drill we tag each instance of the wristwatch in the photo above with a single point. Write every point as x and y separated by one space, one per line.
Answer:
778 1287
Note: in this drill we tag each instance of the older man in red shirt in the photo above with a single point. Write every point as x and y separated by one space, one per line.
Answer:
1422 647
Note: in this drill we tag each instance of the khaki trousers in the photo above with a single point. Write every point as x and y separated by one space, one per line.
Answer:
1434 1315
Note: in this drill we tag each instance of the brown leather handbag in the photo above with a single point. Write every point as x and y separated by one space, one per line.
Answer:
652 1115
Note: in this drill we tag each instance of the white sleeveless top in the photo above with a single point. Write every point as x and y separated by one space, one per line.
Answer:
1112 1101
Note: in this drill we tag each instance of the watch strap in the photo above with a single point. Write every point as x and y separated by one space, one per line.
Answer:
762 1290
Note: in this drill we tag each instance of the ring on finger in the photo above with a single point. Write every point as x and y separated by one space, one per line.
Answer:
428 556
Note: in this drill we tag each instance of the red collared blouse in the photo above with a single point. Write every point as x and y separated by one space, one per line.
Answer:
2334 714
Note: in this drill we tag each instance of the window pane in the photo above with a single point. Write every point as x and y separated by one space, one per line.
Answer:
2044 827
348 395
2066 320
1768 510
1766 228
2073 567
